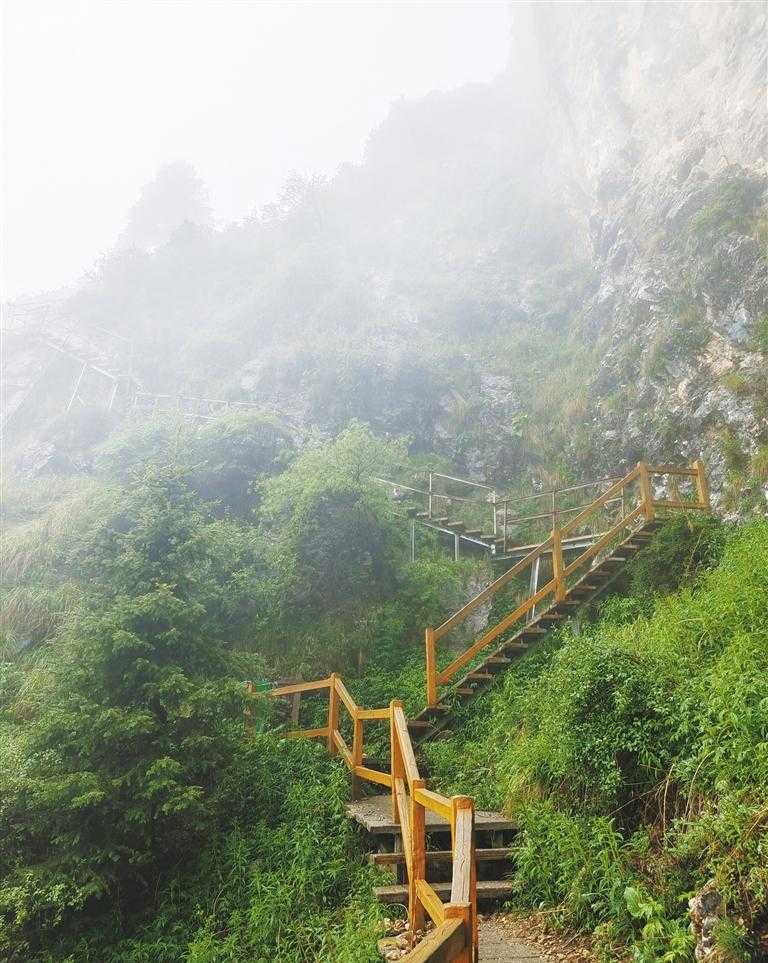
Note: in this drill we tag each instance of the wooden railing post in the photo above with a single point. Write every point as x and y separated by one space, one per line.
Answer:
357 753
557 564
645 491
396 766
333 713
702 485
464 882
418 859
431 660
429 508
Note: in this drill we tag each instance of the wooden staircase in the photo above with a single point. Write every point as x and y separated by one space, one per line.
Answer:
440 849
493 834
584 555
433 720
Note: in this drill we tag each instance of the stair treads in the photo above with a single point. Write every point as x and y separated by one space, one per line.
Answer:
487 889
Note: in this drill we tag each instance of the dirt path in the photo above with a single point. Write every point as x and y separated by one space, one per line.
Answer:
496 946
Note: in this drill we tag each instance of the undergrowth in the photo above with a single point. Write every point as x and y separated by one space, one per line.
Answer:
633 755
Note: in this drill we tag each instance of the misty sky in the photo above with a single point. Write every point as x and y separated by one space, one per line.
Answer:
98 93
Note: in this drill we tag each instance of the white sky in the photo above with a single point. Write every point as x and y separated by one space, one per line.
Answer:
96 94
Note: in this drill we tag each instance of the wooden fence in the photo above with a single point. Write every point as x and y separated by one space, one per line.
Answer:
623 505
455 935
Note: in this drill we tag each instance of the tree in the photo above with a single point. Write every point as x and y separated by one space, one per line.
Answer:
174 197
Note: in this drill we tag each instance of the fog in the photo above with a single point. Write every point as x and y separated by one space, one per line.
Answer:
97 95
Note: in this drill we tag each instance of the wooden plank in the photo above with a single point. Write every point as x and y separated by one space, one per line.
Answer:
346 698
443 944
333 714
401 800
307 733
300 687
406 747
702 484
493 633
490 590
340 744
688 506
418 867
462 862
602 542
599 502
671 470
373 775
431 665
486 855
374 813
373 713
487 890
430 901
645 491
434 802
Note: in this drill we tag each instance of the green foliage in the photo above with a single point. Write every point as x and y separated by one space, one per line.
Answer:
685 546
221 460
124 755
633 755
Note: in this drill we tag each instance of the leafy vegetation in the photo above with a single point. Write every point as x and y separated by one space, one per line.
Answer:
633 754
139 819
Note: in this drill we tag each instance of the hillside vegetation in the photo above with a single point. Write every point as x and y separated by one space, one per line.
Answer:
531 282
634 752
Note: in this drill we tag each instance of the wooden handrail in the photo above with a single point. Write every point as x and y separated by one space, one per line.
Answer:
490 590
632 509
455 937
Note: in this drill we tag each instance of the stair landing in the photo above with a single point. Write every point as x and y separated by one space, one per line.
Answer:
374 814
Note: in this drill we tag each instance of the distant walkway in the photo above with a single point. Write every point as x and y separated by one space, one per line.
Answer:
498 947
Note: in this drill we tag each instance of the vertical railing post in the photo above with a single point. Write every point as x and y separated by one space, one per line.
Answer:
396 765
357 752
702 484
464 883
504 524
431 660
296 703
333 714
645 491
418 859
557 564
429 508
493 509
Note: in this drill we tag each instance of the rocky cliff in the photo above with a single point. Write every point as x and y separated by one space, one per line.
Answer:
656 132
